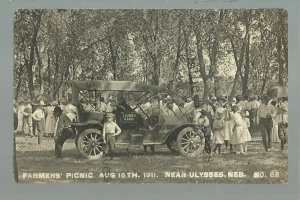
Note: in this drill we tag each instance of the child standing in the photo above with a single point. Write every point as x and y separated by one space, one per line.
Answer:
237 135
218 128
283 126
246 134
110 130
228 126
202 120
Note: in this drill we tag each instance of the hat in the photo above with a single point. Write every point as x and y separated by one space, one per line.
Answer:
221 99
213 98
235 108
55 103
35 103
284 108
220 110
82 100
168 98
247 113
108 115
57 109
63 101
109 98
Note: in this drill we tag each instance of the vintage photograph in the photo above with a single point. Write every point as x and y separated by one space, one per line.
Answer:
150 96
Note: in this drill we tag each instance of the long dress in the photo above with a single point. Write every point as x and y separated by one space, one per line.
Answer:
237 135
246 134
27 127
20 118
50 120
218 131
228 125
274 136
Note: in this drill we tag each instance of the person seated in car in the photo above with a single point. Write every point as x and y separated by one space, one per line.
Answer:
170 107
122 105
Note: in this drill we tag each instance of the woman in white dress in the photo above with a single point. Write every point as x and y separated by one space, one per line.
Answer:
21 108
237 138
246 125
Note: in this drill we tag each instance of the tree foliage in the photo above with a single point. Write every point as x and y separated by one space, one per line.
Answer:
221 52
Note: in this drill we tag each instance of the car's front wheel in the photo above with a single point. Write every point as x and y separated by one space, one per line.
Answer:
190 142
90 144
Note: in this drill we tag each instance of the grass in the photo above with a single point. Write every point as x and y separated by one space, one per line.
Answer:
33 158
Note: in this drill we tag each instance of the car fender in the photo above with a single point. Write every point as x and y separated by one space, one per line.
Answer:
172 134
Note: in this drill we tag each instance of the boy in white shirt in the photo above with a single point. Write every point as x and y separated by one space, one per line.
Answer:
110 129
39 117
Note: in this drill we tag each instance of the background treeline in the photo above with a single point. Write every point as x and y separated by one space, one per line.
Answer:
221 52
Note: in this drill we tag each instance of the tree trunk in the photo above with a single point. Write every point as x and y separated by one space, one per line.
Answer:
40 68
31 57
113 55
178 51
246 68
20 80
49 72
55 75
202 67
284 39
188 64
279 49
279 60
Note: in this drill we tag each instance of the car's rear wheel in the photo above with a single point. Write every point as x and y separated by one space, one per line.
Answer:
190 142
90 144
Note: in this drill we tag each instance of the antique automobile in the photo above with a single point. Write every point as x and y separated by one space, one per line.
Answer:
141 125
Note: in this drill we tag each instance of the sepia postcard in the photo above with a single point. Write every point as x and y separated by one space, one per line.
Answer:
150 95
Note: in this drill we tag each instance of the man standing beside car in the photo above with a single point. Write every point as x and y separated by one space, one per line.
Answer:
63 130
265 114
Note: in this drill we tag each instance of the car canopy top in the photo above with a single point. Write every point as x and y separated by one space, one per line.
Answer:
100 85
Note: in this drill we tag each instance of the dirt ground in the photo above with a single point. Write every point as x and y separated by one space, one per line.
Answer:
37 164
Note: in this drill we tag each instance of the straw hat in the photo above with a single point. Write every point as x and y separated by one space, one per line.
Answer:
284 108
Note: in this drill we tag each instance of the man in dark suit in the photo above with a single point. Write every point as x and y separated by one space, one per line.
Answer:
63 130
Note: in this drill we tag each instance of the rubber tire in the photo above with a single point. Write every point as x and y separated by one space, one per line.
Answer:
80 140
197 152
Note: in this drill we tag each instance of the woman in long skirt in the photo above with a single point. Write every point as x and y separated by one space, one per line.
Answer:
50 121
237 138
21 108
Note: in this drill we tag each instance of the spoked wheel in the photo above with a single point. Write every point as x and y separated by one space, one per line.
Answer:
190 142
90 144
172 145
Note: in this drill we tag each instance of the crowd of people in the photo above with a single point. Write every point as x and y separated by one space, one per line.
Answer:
37 117
233 122
223 122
